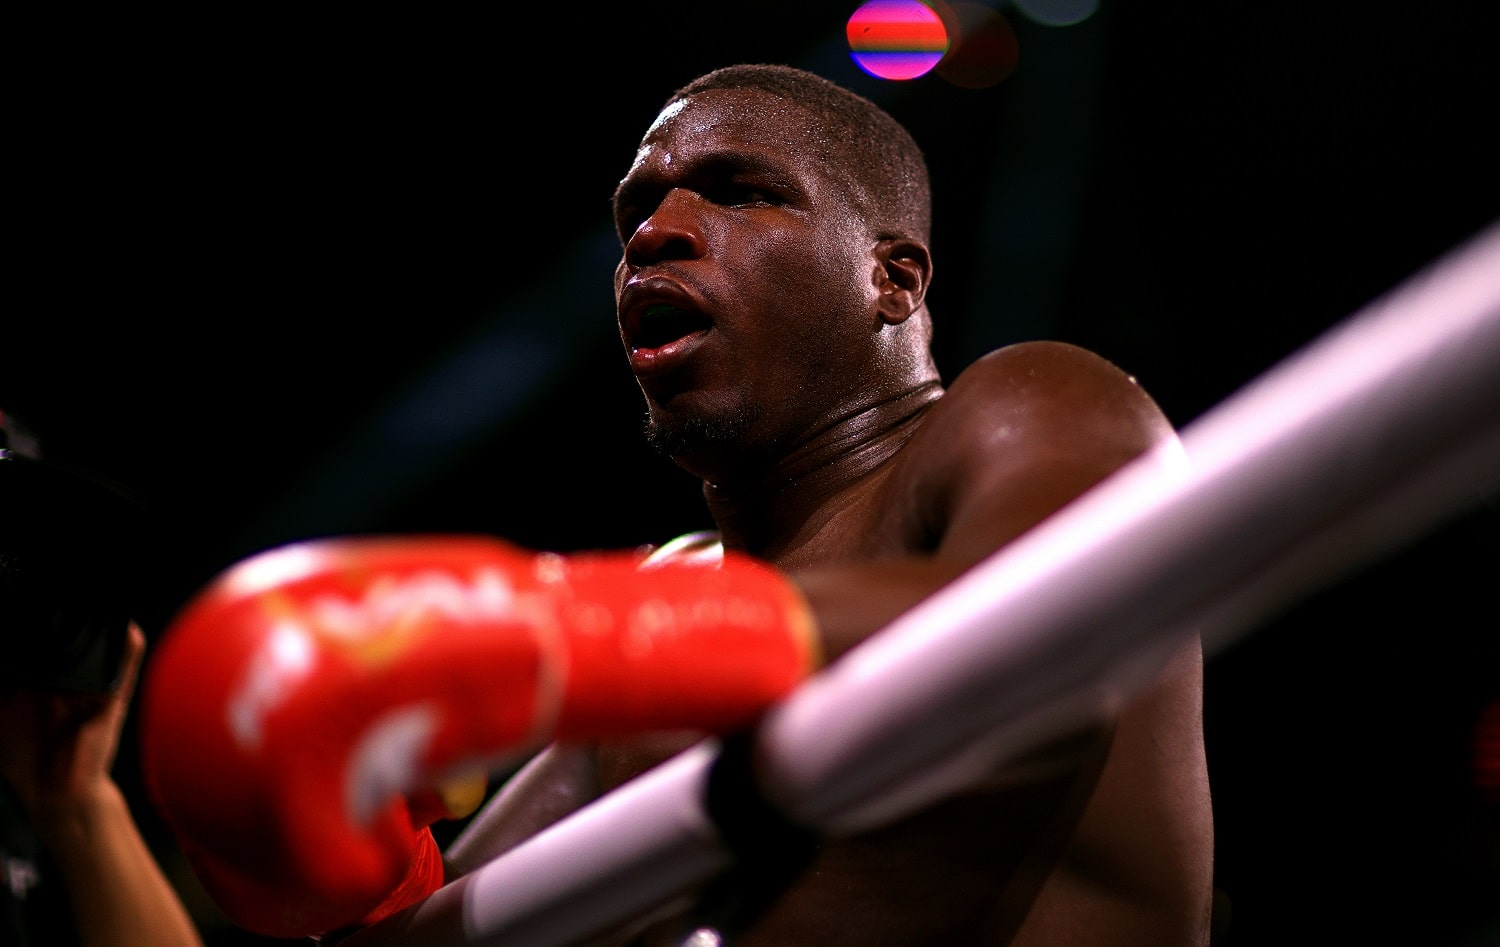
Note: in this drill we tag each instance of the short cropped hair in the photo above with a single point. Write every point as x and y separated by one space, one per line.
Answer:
886 162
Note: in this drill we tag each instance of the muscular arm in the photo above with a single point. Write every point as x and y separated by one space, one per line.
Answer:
1020 434
1017 437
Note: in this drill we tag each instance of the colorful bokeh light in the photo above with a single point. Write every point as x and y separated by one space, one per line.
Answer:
896 39
983 51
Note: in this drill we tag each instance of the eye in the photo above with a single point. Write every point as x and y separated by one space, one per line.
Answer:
742 195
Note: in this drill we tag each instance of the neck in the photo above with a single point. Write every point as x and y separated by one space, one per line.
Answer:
764 512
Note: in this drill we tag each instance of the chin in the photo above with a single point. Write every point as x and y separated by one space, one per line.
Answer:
676 434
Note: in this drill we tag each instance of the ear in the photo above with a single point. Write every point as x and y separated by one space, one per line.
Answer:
905 270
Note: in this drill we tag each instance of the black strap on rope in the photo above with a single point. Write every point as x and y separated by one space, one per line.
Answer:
770 850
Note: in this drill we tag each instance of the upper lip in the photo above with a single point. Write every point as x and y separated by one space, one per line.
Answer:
643 293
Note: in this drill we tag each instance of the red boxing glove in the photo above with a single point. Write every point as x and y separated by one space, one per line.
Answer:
300 705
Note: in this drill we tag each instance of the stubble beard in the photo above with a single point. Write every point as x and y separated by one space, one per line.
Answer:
672 437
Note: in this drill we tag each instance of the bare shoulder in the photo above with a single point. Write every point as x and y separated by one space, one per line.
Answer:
1027 429
1051 380
1021 432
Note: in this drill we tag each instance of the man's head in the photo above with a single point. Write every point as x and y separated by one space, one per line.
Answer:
876 154
774 228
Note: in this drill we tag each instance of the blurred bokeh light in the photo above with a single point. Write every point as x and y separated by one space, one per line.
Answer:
896 39
982 49
1057 12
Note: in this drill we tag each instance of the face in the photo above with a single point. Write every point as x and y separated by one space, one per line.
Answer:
748 284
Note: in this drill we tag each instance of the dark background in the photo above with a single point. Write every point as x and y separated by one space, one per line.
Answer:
282 277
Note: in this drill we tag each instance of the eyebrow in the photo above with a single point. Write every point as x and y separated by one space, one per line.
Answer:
714 163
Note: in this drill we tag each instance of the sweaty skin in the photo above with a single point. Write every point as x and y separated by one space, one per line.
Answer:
804 395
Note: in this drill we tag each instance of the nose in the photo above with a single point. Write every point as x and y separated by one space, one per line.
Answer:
674 231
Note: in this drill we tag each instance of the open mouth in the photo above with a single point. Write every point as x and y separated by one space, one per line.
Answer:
662 324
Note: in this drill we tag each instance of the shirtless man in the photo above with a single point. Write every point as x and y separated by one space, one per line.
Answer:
771 298
771 301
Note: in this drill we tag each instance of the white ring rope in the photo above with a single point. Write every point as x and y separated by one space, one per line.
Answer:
1373 434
